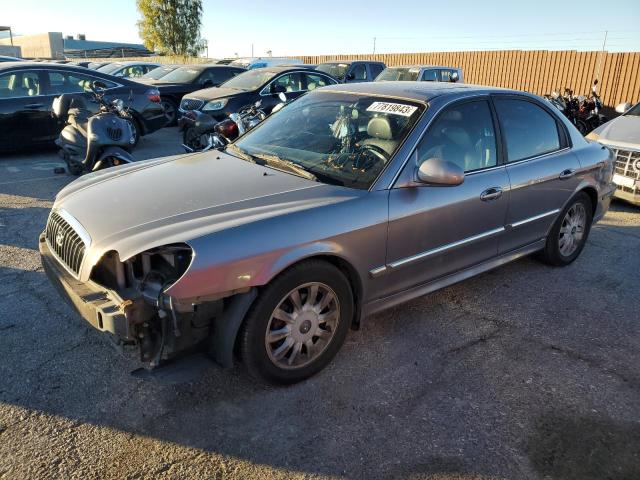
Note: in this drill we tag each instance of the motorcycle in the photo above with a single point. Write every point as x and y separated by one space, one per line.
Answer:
590 110
583 112
202 133
93 141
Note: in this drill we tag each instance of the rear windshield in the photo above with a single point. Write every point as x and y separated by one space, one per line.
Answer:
337 70
398 73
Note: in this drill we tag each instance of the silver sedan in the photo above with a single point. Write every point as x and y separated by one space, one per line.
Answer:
350 200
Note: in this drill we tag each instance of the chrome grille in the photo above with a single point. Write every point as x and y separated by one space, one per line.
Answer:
65 242
191 104
625 160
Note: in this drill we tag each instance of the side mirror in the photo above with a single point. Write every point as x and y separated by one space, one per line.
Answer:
436 171
282 97
454 77
275 88
623 107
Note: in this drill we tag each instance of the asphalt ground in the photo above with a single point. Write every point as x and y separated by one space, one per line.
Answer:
525 372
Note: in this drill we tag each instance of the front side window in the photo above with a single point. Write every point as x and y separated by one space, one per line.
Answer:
445 75
19 84
291 82
430 75
71 82
338 138
528 129
462 134
359 72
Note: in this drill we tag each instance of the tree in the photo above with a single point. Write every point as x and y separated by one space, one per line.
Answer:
171 26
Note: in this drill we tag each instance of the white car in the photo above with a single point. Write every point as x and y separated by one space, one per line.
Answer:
622 135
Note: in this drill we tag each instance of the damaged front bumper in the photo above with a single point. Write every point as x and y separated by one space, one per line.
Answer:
104 309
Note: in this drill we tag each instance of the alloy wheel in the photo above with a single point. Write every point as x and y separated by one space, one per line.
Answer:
572 229
169 112
302 325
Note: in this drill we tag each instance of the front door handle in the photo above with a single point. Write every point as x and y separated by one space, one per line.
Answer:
567 174
492 193
33 106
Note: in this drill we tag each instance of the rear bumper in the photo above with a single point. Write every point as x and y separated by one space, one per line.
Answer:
103 309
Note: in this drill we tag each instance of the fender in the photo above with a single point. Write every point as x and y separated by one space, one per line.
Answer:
117 152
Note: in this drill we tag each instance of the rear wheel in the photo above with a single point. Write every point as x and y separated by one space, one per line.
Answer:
569 233
297 324
193 139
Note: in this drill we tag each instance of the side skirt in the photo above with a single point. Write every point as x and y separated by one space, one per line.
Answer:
380 304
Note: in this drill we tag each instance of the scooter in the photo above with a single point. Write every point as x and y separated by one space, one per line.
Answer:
202 133
91 142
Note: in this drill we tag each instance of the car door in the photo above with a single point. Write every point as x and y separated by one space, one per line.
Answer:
437 230
24 111
540 165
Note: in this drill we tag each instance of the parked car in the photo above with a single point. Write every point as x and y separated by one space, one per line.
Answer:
422 73
128 69
97 65
27 90
183 80
251 63
4 58
246 88
352 71
159 72
83 63
622 135
350 200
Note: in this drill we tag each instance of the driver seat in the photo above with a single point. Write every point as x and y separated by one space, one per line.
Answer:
381 134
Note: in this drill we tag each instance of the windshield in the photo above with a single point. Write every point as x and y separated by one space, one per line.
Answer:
634 111
112 67
398 73
182 75
336 138
251 80
159 72
337 70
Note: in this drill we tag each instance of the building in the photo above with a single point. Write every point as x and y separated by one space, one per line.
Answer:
56 46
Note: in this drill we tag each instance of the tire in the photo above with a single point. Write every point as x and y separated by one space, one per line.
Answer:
285 355
192 139
171 111
569 234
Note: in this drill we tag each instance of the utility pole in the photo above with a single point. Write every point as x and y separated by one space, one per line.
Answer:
374 45
252 50
604 44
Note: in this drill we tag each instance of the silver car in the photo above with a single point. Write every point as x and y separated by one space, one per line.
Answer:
622 135
352 199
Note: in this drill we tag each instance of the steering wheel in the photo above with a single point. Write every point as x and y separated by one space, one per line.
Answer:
366 151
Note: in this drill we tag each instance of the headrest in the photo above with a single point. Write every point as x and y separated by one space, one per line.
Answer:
379 127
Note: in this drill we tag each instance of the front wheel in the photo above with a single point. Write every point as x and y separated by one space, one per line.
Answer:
297 324
569 233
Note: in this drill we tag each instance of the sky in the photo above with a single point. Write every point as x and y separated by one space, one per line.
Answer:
289 28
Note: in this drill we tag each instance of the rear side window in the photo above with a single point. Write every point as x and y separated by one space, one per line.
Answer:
375 69
19 84
462 134
72 82
528 129
359 72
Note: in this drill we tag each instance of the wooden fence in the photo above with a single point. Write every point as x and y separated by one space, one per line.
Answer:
536 71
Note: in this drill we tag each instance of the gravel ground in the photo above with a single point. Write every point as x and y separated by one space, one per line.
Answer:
526 372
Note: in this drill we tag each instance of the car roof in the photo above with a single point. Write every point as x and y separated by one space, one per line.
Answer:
283 68
416 91
421 66
27 65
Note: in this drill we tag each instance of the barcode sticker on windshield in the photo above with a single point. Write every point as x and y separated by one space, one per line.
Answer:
392 108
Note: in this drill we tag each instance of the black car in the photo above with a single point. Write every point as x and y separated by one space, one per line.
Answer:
4 58
260 84
352 71
177 83
27 90
97 65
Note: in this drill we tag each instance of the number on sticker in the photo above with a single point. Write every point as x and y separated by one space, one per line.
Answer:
392 108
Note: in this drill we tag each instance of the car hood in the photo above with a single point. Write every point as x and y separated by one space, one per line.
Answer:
623 131
214 93
176 199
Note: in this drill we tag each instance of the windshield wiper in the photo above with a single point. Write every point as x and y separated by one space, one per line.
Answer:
284 165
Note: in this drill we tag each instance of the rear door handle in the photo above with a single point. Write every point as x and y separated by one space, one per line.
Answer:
33 106
492 193
567 174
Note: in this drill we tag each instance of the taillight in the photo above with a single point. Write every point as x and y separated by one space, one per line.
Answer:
227 128
153 94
